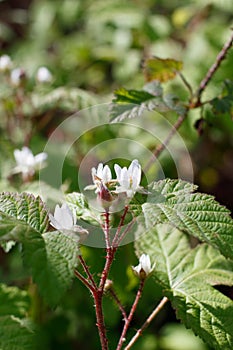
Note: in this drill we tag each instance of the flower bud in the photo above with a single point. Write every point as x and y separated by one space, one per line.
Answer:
5 63
143 269
43 75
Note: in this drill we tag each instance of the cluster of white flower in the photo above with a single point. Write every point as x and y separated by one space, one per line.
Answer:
27 163
127 181
18 75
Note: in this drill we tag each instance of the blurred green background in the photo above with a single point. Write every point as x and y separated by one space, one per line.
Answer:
92 48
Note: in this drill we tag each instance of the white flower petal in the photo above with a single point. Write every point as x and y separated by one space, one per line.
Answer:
106 175
64 216
54 222
40 158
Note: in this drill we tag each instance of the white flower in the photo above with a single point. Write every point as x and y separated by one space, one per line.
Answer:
144 268
5 63
65 221
129 179
17 76
27 163
102 177
101 174
43 75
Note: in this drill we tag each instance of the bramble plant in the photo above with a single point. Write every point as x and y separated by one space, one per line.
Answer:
183 239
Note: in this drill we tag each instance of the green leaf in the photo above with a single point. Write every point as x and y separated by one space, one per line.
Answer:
224 103
16 334
13 301
21 214
78 204
173 201
50 257
156 68
51 260
188 276
133 103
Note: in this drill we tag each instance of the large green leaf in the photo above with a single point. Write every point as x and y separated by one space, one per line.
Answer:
16 334
188 276
50 256
173 201
52 263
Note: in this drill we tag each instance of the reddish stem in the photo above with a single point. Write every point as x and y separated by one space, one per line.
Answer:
147 322
118 302
84 280
88 273
132 311
220 57
115 242
98 297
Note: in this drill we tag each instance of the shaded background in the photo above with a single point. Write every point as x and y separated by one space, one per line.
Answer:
92 48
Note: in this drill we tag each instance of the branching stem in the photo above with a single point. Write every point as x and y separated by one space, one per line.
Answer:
220 57
147 322
86 269
129 318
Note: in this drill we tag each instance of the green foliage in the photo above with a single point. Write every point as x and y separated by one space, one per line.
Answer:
91 49
79 205
133 103
50 257
188 276
16 334
13 301
224 103
173 201
21 215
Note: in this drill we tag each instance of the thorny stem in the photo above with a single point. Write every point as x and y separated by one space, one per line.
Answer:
98 297
147 322
84 280
193 104
220 57
109 250
115 242
124 233
118 302
106 229
129 318
86 269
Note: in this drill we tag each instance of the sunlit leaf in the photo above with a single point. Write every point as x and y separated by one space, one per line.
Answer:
133 103
187 277
161 69
173 201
